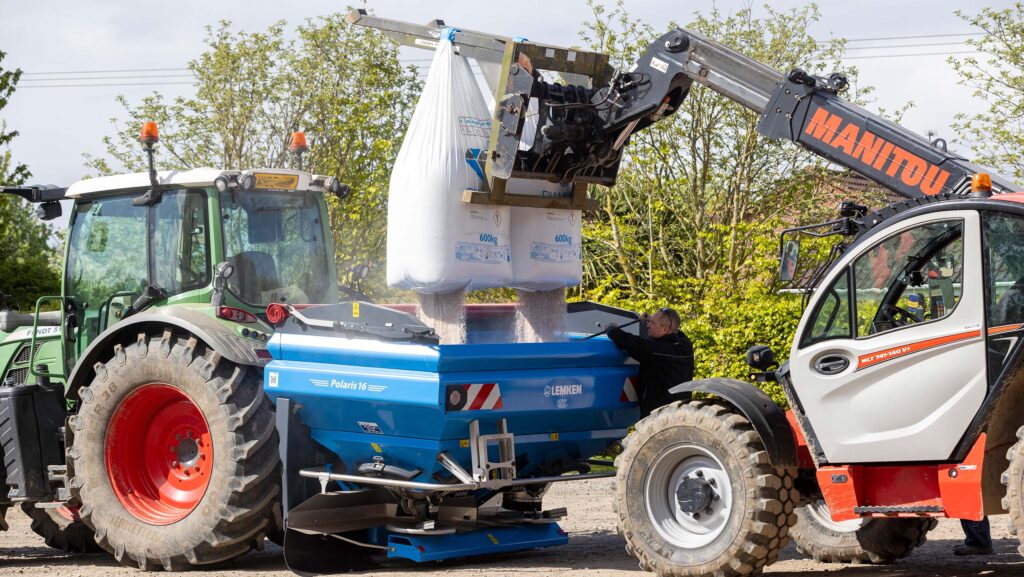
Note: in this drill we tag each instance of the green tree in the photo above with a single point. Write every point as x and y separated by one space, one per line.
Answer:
343 85
28 265
997 79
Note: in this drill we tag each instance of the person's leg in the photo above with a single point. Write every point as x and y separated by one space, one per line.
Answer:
978 538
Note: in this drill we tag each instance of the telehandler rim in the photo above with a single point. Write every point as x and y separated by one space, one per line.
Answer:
688 495
159 454
818 509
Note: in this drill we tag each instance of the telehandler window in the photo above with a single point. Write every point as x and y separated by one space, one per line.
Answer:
832 318
909 278
1004 287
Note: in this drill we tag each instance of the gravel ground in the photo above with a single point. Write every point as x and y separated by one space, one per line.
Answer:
594 550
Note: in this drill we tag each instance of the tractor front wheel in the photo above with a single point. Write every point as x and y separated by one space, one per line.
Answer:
62 529
175 455
696 494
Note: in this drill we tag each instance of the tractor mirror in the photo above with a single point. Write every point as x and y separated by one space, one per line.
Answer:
48 210
789 258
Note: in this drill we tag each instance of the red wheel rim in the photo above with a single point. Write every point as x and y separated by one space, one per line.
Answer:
159 454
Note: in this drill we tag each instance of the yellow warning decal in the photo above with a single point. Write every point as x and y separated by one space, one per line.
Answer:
464 443
554 436
376 447
493 539
355 310
276 181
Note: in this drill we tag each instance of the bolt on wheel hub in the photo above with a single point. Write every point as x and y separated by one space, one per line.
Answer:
694 495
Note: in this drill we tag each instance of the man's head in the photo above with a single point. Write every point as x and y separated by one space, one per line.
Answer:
664 321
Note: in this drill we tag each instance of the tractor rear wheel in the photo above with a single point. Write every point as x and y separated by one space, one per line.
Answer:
857 541
695 494
3 490
62 529
175 455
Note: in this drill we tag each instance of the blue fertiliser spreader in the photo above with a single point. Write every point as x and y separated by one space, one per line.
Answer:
397 446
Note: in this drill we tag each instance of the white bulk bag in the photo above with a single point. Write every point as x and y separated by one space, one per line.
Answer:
436 242
546 243
546 248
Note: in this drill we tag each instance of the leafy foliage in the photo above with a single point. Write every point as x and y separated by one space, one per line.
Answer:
998 80
341 84
28 265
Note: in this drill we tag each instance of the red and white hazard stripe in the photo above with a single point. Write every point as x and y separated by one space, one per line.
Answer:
630 390
482 397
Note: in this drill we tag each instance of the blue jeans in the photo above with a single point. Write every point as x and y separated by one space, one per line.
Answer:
978 533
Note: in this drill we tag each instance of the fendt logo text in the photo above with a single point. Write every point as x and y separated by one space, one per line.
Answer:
876 152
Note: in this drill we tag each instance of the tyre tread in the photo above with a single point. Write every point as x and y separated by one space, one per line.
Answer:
245 518
766 527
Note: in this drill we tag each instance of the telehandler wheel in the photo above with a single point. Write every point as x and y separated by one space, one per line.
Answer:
1013 480
696 494
857 541
174 455
62 529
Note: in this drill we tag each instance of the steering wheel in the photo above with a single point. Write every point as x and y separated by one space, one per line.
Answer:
898 316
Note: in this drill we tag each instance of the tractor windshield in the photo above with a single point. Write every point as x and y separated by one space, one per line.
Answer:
276 242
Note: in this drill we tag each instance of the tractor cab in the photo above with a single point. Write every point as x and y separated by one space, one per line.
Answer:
222 244
269 226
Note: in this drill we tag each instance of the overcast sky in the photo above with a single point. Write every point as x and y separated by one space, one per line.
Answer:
76 38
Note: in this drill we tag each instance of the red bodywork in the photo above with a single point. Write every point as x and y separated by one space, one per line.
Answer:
946 490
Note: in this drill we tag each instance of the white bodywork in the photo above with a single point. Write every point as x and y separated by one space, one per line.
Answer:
916 405
196 177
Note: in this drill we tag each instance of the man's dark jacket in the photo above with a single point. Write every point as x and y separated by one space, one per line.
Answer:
664 363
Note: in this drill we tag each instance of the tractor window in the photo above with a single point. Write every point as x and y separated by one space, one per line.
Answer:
106 257
276 242
832 317
909 278
180 249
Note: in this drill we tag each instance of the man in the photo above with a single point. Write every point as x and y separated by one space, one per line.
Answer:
665 357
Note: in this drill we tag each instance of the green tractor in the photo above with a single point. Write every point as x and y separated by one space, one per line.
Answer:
132 416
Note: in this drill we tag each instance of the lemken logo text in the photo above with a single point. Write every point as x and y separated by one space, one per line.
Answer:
563 390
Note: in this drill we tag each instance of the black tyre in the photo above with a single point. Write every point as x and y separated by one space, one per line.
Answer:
62 529
695 494
858 541
175 455
3 490
1013 480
